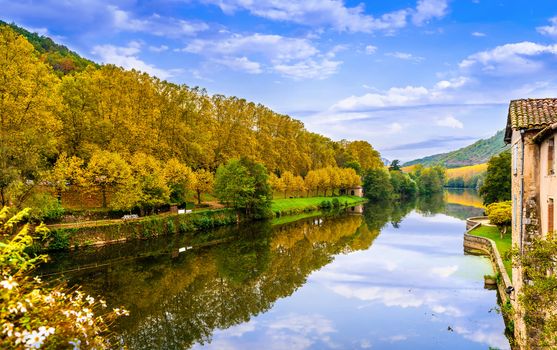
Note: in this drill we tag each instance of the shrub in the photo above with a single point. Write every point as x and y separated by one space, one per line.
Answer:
45 207
60 240
325 205
34 315
500 215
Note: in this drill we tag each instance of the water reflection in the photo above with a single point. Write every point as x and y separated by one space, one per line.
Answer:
326 282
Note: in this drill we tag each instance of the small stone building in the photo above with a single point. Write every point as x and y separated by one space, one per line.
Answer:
354 191
531 131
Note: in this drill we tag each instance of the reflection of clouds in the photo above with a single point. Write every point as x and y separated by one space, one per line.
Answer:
365 344
396 338
292 331
300 331
387 296
494 338
444 271
240 329
447 310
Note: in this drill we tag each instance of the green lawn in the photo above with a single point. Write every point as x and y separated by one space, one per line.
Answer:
503 245
301 203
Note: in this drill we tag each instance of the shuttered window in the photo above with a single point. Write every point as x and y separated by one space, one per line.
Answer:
550 156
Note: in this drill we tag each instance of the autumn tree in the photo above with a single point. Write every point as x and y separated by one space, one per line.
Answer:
203 183
28 105
150 182
180 179
107 171
276 183
67 171
500 215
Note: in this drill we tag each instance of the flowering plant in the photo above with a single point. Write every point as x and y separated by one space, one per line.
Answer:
34 315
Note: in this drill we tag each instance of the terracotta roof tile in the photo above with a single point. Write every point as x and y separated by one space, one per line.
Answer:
532 113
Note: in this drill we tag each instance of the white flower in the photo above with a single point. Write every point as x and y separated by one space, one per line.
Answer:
9 283
90 299
8 329
34 340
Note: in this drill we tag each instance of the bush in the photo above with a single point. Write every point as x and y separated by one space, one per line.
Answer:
35 315
335 203
60 240
45 207
325 205
500 215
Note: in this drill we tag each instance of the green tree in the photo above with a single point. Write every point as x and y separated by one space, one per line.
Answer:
497 183
377 185
403 185
395 165
180 179
244 185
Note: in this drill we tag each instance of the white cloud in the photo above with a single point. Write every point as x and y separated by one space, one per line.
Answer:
478 34
275 47
334 13
370 49
550 29
309 69
452 83
126 57
509 59
393 97
161 48
429 9
241 64
296 58
154 24
405 56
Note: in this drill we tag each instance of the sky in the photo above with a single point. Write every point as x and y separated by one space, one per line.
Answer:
412 77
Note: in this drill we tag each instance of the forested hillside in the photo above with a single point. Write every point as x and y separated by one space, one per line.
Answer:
108 128
477 153
59 57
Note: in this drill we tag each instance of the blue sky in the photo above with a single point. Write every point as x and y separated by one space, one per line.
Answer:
413 77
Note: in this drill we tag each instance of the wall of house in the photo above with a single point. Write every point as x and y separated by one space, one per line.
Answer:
525 169
548 185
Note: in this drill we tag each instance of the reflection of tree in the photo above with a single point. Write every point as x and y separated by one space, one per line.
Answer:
377 215
177 303
431 205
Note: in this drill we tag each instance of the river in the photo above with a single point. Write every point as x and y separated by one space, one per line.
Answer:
376 277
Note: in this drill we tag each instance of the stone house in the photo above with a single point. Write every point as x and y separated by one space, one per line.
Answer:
531 131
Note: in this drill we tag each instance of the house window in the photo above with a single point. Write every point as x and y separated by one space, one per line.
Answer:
515 158
550 156
550 227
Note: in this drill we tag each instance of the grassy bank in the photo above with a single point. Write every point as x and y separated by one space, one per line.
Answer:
504 245
74 235
288 206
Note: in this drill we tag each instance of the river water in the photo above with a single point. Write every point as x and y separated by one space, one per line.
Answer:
377 277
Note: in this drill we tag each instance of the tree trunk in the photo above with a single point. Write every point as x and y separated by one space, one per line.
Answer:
198 197
2 197
103 190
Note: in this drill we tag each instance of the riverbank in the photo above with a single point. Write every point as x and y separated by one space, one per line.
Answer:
84 234
485 239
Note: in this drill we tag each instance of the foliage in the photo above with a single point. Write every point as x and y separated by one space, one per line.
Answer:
429 180
44 207
107 171
500 215
34 315
403 185
477 153
497 184
471 176
538 295
395 165
377 185
203 182
59 57
244 185
28 106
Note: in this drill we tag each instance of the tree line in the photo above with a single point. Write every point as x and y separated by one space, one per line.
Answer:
101 116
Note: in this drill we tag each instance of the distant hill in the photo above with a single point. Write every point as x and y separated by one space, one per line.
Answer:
62 59
477 153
